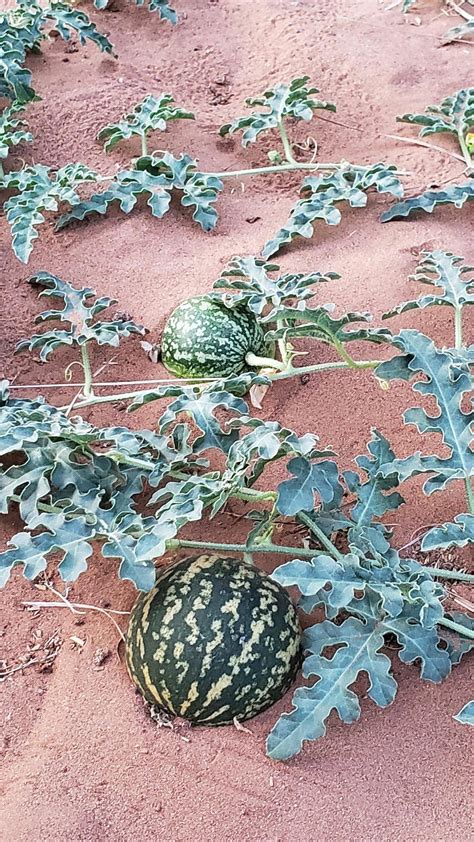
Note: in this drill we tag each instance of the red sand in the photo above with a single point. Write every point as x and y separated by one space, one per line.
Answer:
82 760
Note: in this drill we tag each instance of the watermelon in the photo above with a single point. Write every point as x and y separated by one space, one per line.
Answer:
215 640
204 338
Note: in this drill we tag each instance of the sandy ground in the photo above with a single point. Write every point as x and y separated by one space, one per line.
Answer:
82 761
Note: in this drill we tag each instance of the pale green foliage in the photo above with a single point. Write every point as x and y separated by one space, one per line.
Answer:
81 307
24 27
128 493
163 8
151 114
156 177
322 193
12 128
445 274
454 115
279 103
452 194
39 189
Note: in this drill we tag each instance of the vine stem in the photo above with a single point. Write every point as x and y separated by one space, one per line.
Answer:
178 543
283 374
457 627
255 361
469 495
458 327
441 573
319 534
286 143
86 365
144 144
287 167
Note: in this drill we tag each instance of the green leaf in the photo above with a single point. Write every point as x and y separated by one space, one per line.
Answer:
39 189
12 129
466 714
360 643
250 284
323 581
317 323
359 651
455 115
453 194
70 538
68 20
81 307
457 534
163 8
450 420
444 272
202 407
283 101
151 114
297 495
321 193
155 178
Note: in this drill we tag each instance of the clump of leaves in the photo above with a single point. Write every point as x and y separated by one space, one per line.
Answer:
455 116
321 194
159 175
80 311
132 493
24 27
13 129
39 189
279 103
165 12
151 114
457 32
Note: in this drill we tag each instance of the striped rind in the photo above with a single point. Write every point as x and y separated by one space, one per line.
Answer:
204 338
216 639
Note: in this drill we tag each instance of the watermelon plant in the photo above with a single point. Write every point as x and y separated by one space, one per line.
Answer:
165 12
455 33
25 27
158 176
132 492
454 116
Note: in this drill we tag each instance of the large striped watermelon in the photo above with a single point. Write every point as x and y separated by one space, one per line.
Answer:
204 338
216 639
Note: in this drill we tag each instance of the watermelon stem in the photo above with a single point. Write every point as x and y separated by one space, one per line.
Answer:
178 543
264 362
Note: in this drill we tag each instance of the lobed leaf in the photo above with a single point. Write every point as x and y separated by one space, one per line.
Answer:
321 193
80 309
297 495
151 114
455 115
448 387
40 189
283 101
155 178
444 272
12 128
457 534
360 643
250 284
453 194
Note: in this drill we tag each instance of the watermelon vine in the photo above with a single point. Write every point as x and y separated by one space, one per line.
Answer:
159 176
77 486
